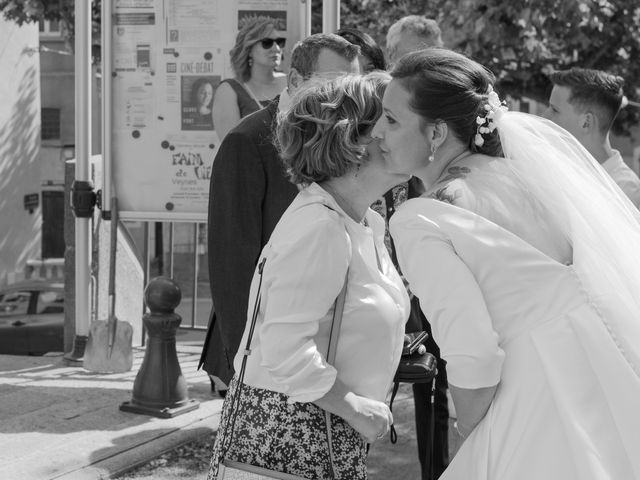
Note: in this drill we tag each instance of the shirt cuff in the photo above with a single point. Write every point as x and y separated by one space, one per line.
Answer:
321 385
307 379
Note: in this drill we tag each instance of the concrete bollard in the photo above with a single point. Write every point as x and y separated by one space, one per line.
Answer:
160 389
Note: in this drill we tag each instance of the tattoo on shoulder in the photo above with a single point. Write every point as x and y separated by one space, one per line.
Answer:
455 172
445 193
444 196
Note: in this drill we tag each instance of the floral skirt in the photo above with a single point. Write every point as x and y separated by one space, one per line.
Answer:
269 432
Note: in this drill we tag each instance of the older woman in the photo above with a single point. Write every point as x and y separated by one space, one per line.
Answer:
254 58
327 232
524 255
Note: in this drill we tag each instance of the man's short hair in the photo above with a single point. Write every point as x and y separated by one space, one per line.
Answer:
305 53
417 25
594 90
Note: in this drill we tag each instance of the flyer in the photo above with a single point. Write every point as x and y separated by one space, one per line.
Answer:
196 101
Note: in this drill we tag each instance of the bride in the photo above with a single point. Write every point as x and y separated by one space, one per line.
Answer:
524 255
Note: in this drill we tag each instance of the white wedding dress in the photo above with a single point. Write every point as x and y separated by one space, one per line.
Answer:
568 403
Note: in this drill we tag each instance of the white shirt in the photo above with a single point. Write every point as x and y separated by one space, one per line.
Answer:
306 261
626 178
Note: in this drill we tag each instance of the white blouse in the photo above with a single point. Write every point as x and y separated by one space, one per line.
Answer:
306 261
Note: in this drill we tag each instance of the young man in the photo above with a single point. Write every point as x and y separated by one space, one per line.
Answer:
585 103
248 194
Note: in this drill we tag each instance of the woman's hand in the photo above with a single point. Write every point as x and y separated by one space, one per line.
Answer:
370 418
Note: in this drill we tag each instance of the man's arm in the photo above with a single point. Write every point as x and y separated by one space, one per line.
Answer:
235 227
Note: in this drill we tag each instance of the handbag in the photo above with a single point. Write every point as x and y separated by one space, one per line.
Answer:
416 366
234 470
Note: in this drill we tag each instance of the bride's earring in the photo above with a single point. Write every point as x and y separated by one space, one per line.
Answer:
433 153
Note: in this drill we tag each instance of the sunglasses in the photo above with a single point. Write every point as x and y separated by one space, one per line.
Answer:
267 43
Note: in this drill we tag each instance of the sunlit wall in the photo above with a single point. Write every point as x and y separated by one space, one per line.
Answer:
20 230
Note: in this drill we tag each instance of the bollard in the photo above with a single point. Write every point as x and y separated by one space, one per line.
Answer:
160 389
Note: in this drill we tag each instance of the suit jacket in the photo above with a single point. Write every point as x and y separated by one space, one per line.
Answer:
248 194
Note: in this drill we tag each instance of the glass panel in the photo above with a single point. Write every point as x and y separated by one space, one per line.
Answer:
50 302
14 303
204 292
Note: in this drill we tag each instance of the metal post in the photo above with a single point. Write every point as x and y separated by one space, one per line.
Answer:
83 176
194 309
305 18
158 249
171 250
330 16
107 69
147 272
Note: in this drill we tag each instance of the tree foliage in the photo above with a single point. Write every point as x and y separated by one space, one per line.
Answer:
521 41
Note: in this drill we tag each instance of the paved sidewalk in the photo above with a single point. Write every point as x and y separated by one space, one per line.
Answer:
61 422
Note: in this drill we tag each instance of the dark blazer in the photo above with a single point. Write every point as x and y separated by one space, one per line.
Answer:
248 194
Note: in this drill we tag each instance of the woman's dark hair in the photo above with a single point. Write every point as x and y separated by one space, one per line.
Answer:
368 46
447 86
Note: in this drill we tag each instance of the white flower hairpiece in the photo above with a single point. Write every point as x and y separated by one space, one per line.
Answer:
486 123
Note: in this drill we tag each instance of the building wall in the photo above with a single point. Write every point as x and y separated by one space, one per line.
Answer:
20 230
57 74
56 92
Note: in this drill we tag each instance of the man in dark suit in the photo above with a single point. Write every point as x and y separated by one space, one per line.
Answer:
248 194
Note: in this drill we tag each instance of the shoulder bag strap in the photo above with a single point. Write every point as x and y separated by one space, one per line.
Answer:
331 356
246 353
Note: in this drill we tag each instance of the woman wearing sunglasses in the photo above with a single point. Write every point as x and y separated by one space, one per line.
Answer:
255 59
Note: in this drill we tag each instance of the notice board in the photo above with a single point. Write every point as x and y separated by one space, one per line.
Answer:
166 59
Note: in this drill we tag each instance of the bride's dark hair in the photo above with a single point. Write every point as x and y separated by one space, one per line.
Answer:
447 86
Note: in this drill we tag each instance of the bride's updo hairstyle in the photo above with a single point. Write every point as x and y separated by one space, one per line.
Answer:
447 86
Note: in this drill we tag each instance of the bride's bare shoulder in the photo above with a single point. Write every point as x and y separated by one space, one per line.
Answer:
453 184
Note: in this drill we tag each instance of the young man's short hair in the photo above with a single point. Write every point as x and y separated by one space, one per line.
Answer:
592 90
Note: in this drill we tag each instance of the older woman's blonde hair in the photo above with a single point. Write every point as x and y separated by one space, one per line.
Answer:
253 30
319 137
